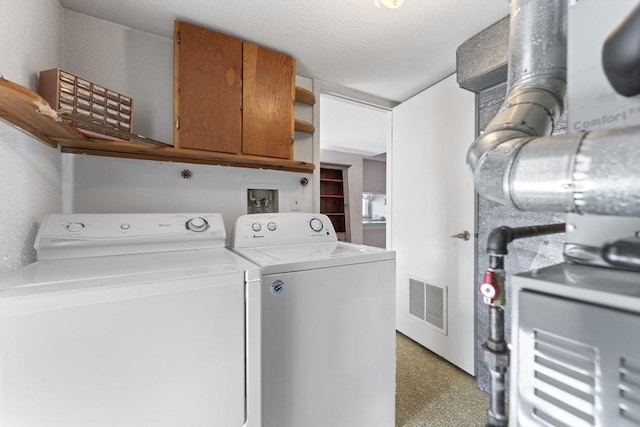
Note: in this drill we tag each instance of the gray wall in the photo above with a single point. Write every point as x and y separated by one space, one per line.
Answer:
374 180
374 176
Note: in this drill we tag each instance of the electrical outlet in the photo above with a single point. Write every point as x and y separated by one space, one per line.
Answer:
296 204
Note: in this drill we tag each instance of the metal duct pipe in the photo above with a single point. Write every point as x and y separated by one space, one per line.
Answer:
515 161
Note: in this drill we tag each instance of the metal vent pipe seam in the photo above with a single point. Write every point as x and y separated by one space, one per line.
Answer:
517 163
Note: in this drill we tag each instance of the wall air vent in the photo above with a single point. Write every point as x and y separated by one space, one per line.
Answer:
629 391
429 304
566 381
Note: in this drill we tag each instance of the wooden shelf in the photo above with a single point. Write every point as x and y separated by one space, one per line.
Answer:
28 111
305 96
332 195
129 150
306 127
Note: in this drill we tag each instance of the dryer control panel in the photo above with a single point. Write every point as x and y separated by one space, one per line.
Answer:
284 228
86 235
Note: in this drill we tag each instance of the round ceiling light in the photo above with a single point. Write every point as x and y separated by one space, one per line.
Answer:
390 4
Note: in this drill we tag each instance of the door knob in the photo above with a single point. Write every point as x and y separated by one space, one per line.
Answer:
465 235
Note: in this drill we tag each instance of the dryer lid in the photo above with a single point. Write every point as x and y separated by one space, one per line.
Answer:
86 274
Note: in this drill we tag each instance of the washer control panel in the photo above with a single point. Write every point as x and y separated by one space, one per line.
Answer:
85 235
286 228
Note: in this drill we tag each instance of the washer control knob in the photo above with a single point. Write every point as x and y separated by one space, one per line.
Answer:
316 225
272 226
75 226
256 226
197 224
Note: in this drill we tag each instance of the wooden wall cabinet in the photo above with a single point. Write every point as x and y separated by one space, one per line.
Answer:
207 90
232 96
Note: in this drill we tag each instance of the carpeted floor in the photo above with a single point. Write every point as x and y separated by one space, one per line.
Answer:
431 392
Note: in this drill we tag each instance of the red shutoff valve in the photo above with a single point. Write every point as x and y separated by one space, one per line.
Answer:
489 289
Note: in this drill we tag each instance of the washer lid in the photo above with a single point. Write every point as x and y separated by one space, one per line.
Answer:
282 259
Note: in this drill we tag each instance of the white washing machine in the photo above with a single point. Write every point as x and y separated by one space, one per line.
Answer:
328 323
130 320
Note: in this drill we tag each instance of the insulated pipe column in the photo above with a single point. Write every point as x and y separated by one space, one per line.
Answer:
496 352
497 414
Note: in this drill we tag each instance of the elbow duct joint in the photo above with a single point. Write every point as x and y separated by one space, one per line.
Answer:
517 163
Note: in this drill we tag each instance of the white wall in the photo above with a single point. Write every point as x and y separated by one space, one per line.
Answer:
103 184
132 62
30 183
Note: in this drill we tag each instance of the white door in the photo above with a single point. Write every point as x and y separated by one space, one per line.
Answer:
433 199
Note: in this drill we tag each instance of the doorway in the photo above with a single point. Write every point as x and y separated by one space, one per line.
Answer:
354 132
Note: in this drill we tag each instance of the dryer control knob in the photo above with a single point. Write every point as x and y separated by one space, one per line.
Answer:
272 226
75 226
316 225
256 226
197 224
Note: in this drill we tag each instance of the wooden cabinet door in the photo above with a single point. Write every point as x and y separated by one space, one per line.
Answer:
207 89
268 102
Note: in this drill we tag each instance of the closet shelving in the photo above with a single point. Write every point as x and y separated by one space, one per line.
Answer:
333 195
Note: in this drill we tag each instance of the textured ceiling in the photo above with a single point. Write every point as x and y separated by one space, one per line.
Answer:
393 54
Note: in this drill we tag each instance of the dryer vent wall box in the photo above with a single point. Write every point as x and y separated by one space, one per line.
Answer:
328 323
100 335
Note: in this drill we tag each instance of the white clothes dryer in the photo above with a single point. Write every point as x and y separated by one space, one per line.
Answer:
130 320
328 323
